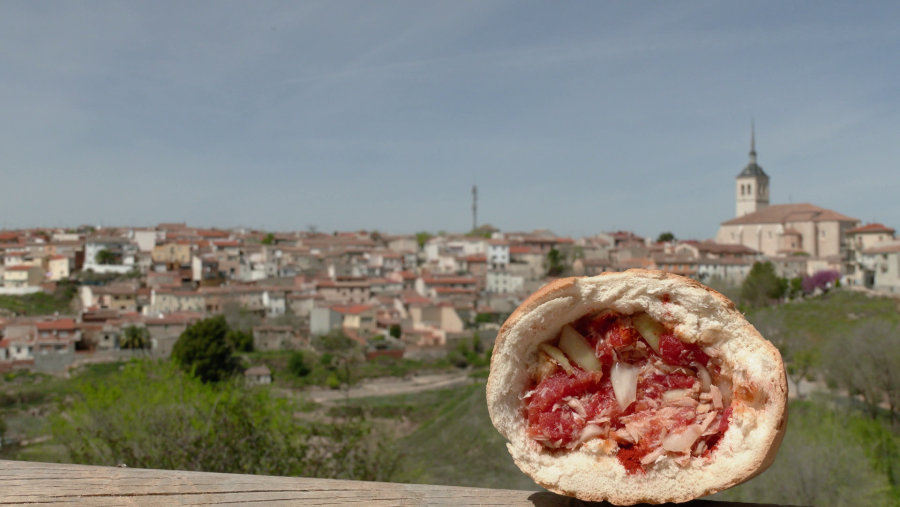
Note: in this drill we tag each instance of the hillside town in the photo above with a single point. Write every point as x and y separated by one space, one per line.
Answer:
412 295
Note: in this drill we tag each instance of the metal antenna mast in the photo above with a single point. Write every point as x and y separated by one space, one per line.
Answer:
474 207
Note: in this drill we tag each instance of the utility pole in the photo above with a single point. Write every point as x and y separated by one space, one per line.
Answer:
474 207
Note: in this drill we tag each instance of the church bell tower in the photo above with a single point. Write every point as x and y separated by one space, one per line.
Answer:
752 190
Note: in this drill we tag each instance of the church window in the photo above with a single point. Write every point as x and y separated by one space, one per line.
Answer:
770 234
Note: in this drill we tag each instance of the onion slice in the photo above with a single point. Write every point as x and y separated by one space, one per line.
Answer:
558 356
649 329
675 394
716 397
703 373
578 349
624 380
683 440
724 386
591 431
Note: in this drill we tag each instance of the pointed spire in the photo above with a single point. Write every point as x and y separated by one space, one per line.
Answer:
752 142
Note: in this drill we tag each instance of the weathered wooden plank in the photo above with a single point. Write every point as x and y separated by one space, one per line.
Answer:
26 483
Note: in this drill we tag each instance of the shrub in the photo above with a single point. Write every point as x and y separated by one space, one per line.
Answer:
155 416
821 280
762 285
297 364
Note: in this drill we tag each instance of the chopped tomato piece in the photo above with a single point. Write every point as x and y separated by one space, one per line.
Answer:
726 420
621 336
676 352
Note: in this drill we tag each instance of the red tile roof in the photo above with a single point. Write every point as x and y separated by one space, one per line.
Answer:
721 248
870 228
886 247
413 297
450 280
59 324
780 213
212 233
453 290
342 283
351 309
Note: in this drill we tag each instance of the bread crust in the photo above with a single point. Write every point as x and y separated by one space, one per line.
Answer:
697 314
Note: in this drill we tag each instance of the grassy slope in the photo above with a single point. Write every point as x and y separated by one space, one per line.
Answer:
460 447
836 311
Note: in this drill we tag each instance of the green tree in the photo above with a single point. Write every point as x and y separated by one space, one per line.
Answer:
866 362
762 286
396 331
665 237
423 237
795 287
106 257
297 364
477 346
555 265
240 341
204 351
134 337
269 239
485 317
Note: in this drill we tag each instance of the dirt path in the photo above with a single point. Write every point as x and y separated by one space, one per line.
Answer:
390 386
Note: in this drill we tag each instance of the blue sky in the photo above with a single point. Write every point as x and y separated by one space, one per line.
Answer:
575 116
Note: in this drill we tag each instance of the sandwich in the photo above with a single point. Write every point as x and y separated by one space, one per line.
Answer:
636 387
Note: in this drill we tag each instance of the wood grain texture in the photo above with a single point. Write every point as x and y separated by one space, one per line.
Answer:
46 484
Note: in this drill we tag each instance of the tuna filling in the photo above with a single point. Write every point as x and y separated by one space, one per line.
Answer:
625 384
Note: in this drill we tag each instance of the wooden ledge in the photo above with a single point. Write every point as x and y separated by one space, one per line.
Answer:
27 483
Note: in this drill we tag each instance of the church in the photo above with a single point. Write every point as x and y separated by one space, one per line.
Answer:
783 230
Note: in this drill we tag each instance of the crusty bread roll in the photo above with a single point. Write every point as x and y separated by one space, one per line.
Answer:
695 314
